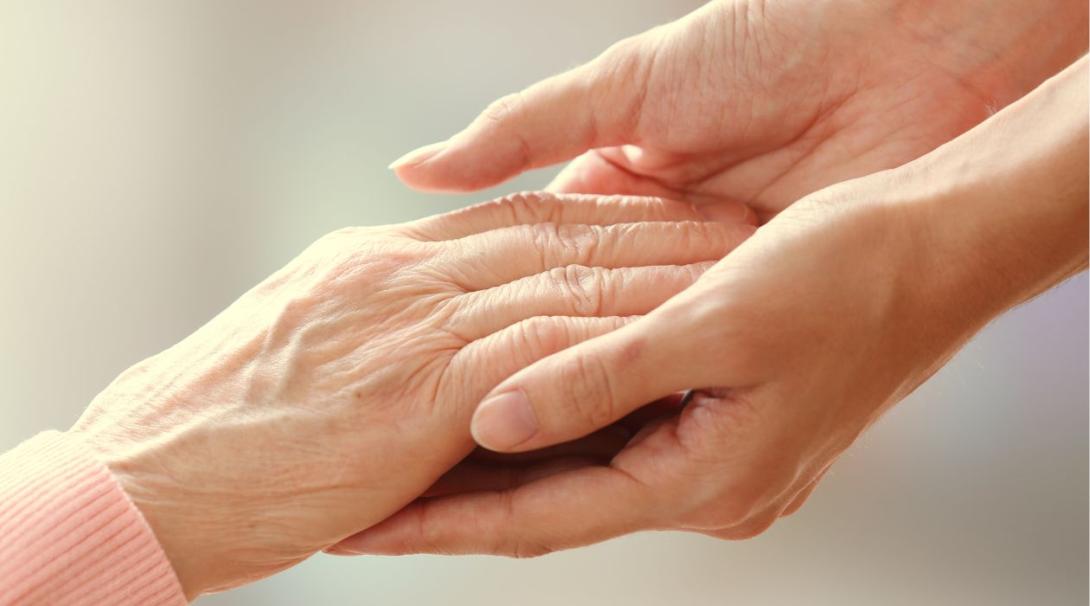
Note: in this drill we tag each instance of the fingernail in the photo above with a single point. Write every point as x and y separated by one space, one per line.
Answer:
504 421
338 550
418 155
728 212
373 541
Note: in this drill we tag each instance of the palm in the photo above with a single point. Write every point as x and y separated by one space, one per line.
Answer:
763 102
765 113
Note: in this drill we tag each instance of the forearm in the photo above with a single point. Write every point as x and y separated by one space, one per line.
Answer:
1005 209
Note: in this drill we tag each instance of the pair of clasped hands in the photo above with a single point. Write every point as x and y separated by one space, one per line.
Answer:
800 210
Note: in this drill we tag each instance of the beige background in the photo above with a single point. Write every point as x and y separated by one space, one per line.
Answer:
158 158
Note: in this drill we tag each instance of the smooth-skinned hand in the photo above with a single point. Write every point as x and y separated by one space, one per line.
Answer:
796 342
763 102
340 388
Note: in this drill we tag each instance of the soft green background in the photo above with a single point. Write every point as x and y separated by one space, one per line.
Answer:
158 158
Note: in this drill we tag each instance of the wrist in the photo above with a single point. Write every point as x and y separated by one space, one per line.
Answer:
71 534
1001 212
146 494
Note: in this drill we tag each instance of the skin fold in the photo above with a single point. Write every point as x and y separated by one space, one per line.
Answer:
798 340
340 388
328 408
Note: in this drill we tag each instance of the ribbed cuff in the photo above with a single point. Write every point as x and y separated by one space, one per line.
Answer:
70 535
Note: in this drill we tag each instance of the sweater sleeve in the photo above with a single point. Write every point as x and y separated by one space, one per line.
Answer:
70 535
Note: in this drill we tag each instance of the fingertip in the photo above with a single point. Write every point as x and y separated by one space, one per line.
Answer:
505 421
420 168
457 165
385 538
418 156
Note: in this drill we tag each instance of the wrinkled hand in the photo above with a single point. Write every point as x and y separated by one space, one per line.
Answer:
786 349
798 340
764 102
340 388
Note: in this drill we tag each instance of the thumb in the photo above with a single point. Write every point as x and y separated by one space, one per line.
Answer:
593 105
589 386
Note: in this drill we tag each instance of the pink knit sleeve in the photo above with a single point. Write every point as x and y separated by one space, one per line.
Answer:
70 535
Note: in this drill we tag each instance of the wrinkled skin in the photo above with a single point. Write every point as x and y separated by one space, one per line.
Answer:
340 388
764 102
797 341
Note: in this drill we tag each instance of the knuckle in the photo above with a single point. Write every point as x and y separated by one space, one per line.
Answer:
626 60
701 234
425 531
337 242
682 235
626 48
502 118
717 418
713 421
515 546
527 206
341 233
502 109
719 238
582 285
696 270
590 394
579 243
539 336
544 238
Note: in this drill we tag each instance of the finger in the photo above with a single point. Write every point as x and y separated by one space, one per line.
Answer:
527 208
469 476
592 385
757 523
594 105
602 444
594 173
485 362
573 290
565 510
507 254
612 171
480 365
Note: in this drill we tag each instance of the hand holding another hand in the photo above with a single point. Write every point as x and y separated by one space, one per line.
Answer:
763 102
797 341
340 388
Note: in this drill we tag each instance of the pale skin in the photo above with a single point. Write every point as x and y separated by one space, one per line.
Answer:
336 391
839 306
764 102
331 396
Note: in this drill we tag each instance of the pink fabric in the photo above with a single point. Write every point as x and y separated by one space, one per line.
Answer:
70 535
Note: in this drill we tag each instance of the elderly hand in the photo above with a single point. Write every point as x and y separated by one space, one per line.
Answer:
764 102
340 388
798 340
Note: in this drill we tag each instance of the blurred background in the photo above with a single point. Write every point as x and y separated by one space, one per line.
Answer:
159 158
